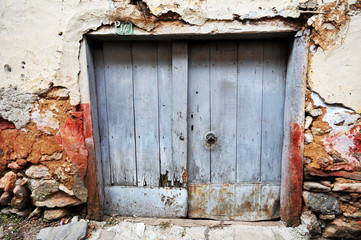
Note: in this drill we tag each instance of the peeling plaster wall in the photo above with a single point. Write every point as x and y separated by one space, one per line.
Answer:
335 72
40 68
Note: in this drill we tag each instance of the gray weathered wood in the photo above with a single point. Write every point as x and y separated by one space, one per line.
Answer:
146 201
249 112
101 96
292 161
273 110
198 113
224 110
165 91
179 127
151 90
145 77
119 90
94 177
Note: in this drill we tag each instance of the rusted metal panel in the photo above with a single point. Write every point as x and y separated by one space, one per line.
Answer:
146 201
246 202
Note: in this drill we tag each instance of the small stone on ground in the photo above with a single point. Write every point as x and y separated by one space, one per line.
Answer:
54 214
72 231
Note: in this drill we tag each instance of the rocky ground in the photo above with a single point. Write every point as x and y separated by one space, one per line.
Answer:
15 227
68 228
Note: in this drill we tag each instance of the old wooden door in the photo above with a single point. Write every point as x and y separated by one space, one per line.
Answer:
156 103
142 108
236 90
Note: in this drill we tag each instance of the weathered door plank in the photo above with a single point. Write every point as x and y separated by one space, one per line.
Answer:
273 110
101 96
198 113
119 89
180 104
249 112
145 77
224 111
165 90
163 202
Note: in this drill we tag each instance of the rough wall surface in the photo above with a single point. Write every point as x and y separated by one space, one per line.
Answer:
44 118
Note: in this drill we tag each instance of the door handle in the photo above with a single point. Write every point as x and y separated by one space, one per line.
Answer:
211 139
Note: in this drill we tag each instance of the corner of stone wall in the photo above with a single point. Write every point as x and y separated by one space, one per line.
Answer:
43 164
332 172
332 155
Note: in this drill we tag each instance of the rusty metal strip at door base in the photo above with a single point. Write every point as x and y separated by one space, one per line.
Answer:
146 201
244 202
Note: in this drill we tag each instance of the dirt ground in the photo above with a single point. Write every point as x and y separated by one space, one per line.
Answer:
13 227
16 228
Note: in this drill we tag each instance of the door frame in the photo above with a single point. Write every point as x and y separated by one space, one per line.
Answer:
293 144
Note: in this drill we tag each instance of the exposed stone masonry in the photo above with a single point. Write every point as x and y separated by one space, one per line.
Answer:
44 164
332 186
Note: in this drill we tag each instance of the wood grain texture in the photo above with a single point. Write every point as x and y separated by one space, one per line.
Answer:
146 201
293 144
199 167
94 176
273 110
165 106
102 114
145 77
249 112
180 104
224 110
120 115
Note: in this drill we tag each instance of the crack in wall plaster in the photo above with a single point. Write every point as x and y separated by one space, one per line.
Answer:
334 67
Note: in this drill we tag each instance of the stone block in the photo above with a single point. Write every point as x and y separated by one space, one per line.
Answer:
327 217
37 171
42 189
71 231
5 198
339 229
347 187
58 199
308 122
54 214
7 182
322 203
310 220
315 187
308 138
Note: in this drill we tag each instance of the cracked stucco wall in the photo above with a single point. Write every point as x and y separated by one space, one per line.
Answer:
42 40
40 58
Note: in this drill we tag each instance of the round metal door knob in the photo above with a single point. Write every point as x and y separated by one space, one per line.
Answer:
211 139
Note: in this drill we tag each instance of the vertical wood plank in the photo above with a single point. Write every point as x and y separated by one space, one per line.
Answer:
224 111
146 112
293 144
101 96
119 90
249 112
273 110
165 91
179 127
94 176
198 113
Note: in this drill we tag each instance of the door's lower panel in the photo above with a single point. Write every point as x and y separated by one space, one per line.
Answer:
247 202
146 201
